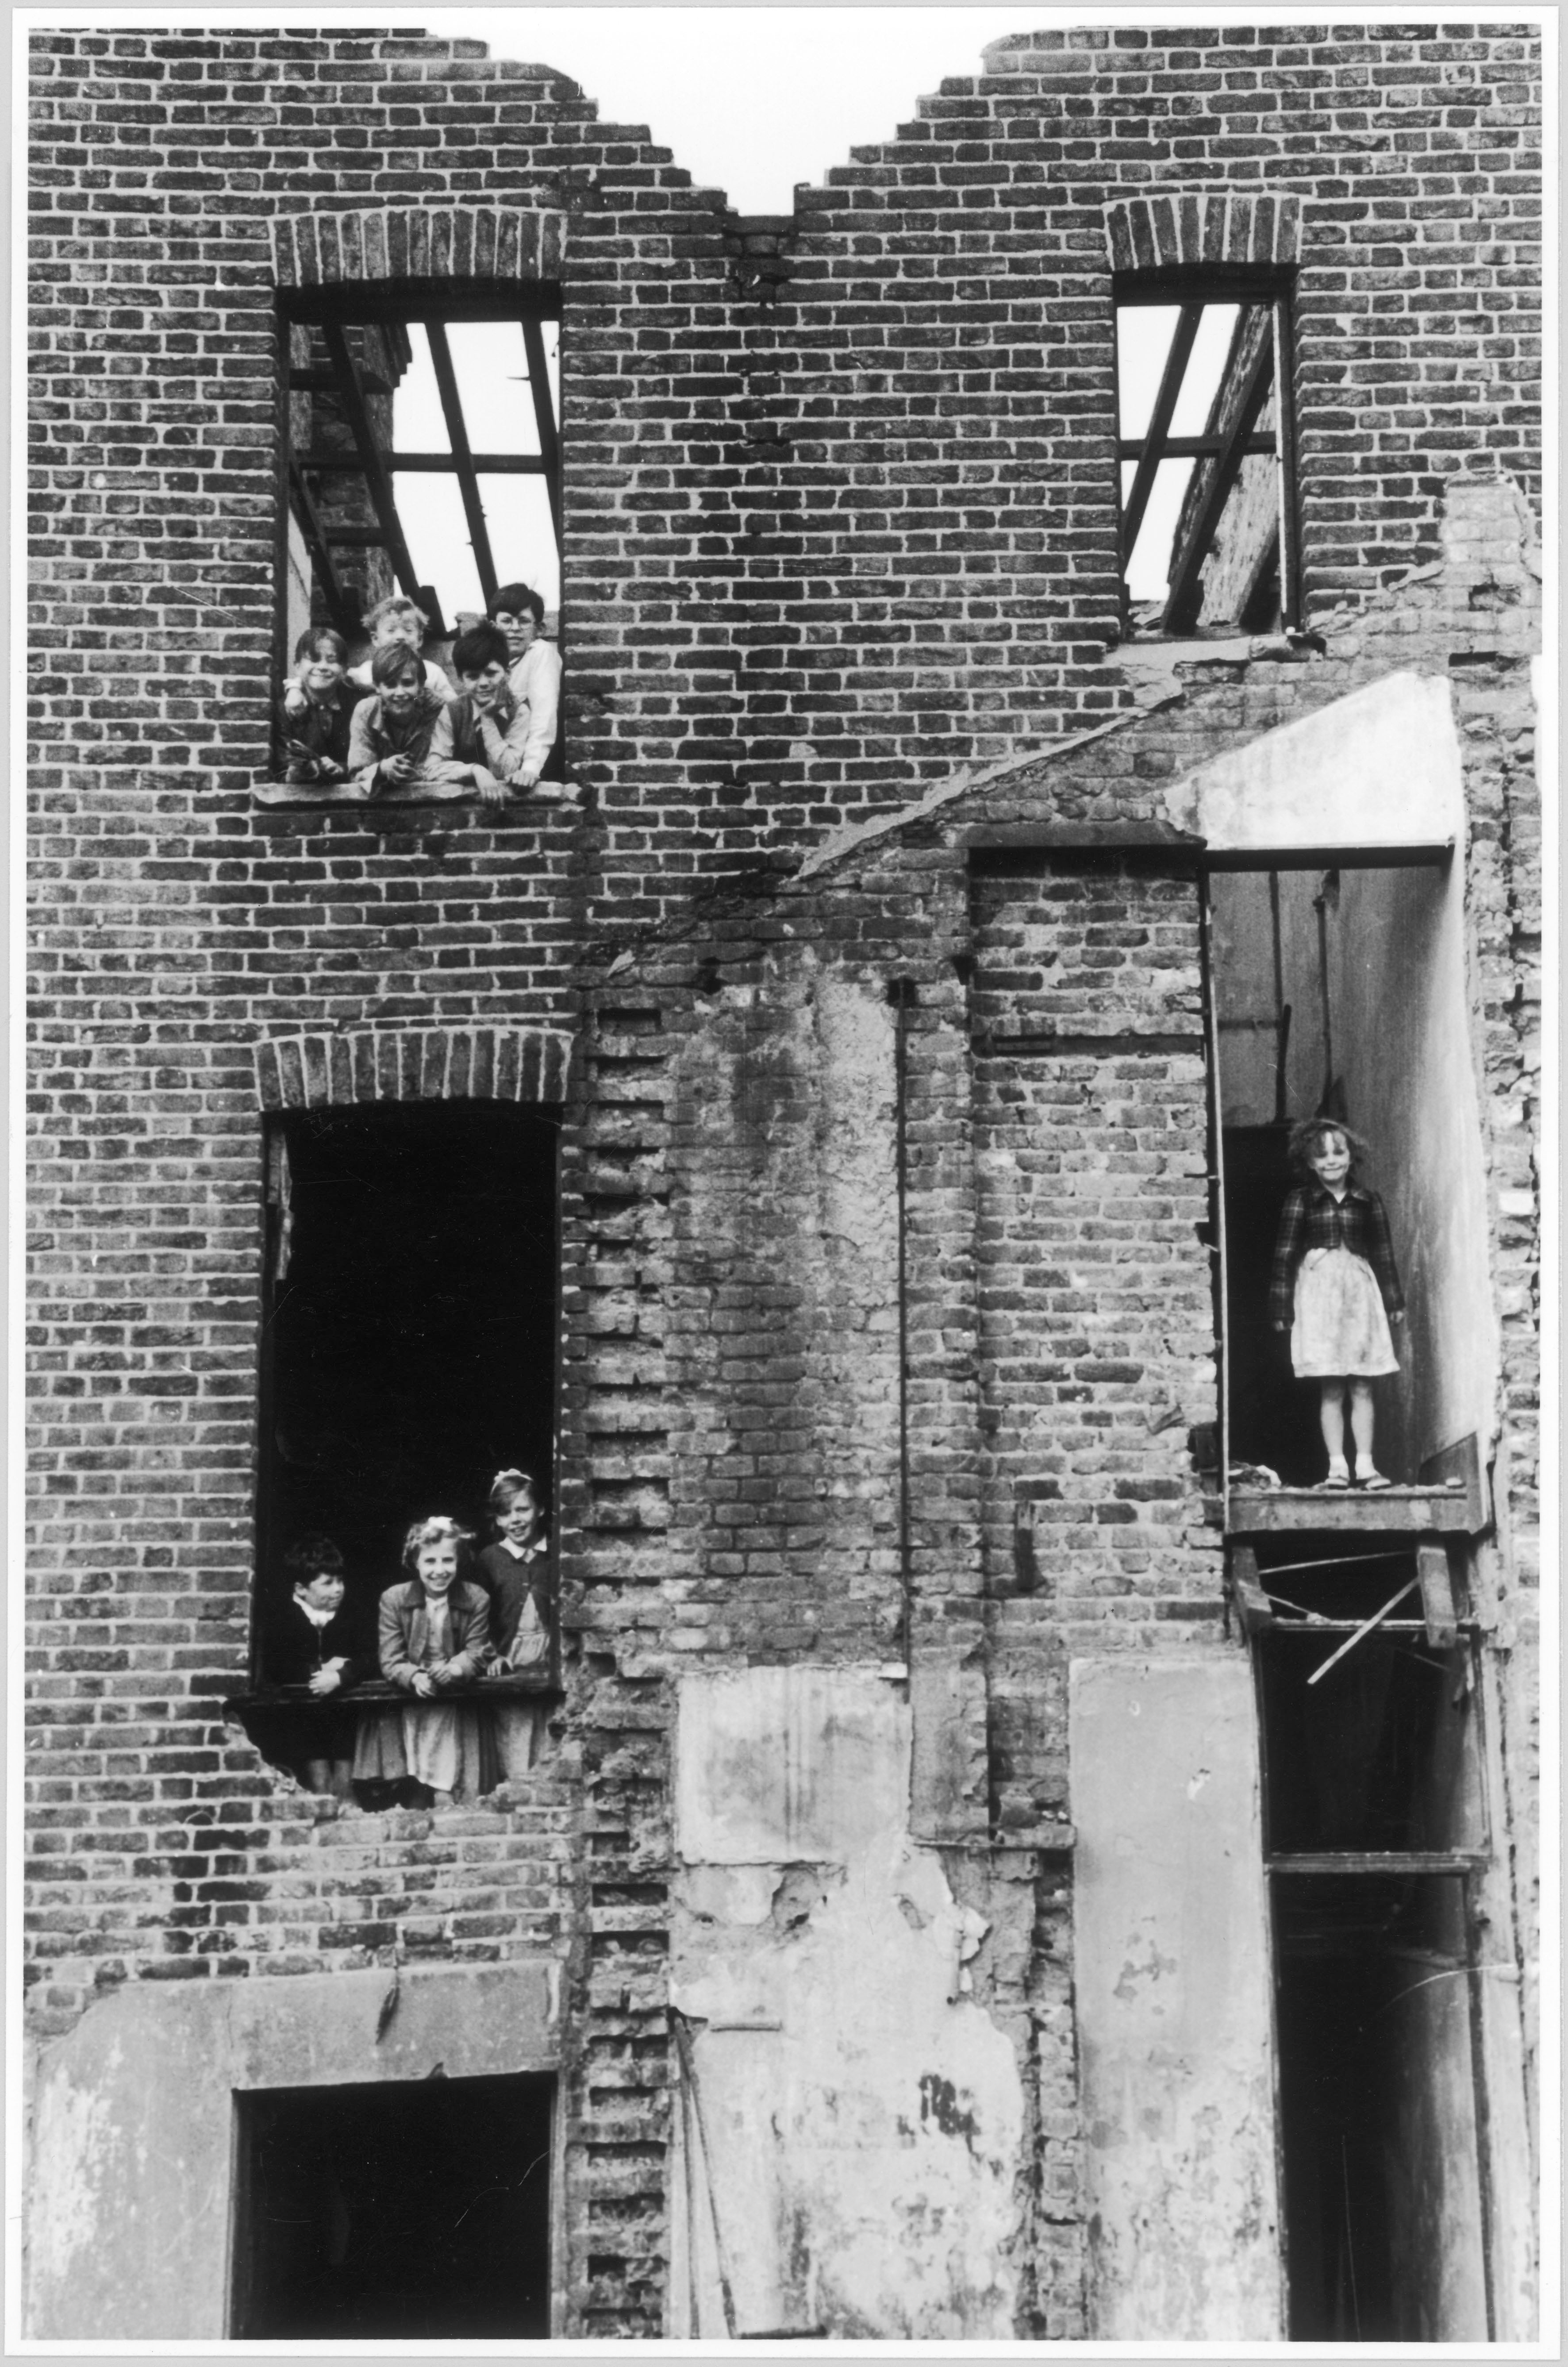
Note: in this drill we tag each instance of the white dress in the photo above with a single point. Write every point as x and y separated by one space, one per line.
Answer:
1340 1330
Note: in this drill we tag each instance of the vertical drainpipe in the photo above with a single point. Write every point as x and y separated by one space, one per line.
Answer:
901 995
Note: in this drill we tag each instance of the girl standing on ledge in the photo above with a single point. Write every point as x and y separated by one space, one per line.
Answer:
1336 1290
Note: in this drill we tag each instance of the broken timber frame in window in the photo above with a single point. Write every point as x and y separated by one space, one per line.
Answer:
1233 435
348 383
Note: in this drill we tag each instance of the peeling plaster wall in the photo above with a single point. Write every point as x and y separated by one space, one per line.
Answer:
129 2169
851 2138
1402 1043
1381 767
1173 1992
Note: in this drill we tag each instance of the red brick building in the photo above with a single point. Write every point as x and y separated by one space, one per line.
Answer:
835 1135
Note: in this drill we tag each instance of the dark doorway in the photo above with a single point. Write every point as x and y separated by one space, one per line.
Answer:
1384 2240
418 2210
1273 1416
411 1320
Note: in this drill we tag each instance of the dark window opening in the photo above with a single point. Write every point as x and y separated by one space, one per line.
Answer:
422 465
1384 2235
1205 459
409 1352
404 2210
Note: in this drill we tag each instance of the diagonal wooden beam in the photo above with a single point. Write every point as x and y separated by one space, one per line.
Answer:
375 478
345 615
452 406
1154 443
1186 592
544 419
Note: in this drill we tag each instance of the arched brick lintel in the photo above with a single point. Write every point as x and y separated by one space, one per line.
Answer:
418 242
1194 228
416 1064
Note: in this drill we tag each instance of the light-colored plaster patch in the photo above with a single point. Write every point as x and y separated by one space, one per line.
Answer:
859 2118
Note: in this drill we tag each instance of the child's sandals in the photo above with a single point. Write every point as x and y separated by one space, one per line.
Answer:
1372 1481
1338 1474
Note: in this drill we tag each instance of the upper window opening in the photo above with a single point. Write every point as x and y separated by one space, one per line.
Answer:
423 501
1203 453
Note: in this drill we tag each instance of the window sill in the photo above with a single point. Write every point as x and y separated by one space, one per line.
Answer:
1153 658
549 798
377 1694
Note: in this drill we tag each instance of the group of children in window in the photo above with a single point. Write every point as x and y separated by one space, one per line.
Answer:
396 724
452 1618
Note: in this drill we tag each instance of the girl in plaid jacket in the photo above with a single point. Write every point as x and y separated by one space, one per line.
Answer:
1336 1290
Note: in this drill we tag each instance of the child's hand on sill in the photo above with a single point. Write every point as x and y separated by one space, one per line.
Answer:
328 1678
424 1685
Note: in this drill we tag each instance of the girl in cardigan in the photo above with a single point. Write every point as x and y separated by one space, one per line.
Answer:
516 1571
434 1638
1336 1290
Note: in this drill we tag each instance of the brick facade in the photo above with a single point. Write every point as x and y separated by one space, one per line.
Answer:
884 1316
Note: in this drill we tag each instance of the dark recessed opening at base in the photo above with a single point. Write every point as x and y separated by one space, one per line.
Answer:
412 2209
1377 2110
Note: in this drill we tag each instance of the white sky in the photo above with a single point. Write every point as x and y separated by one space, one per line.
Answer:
751 101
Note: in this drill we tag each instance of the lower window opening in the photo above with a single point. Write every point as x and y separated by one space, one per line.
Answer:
410 1350
414 2210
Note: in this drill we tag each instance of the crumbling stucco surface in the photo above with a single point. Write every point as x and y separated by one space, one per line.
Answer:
852 2120
131 2165
1173 1984
1381 766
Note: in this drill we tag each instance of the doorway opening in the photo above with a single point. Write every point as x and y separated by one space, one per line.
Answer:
1375 1831
1384 2210
1337 988
406 2209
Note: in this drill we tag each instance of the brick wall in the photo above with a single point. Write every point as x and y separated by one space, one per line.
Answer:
839 554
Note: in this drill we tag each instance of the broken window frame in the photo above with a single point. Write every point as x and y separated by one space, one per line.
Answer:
1193 291
434 305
